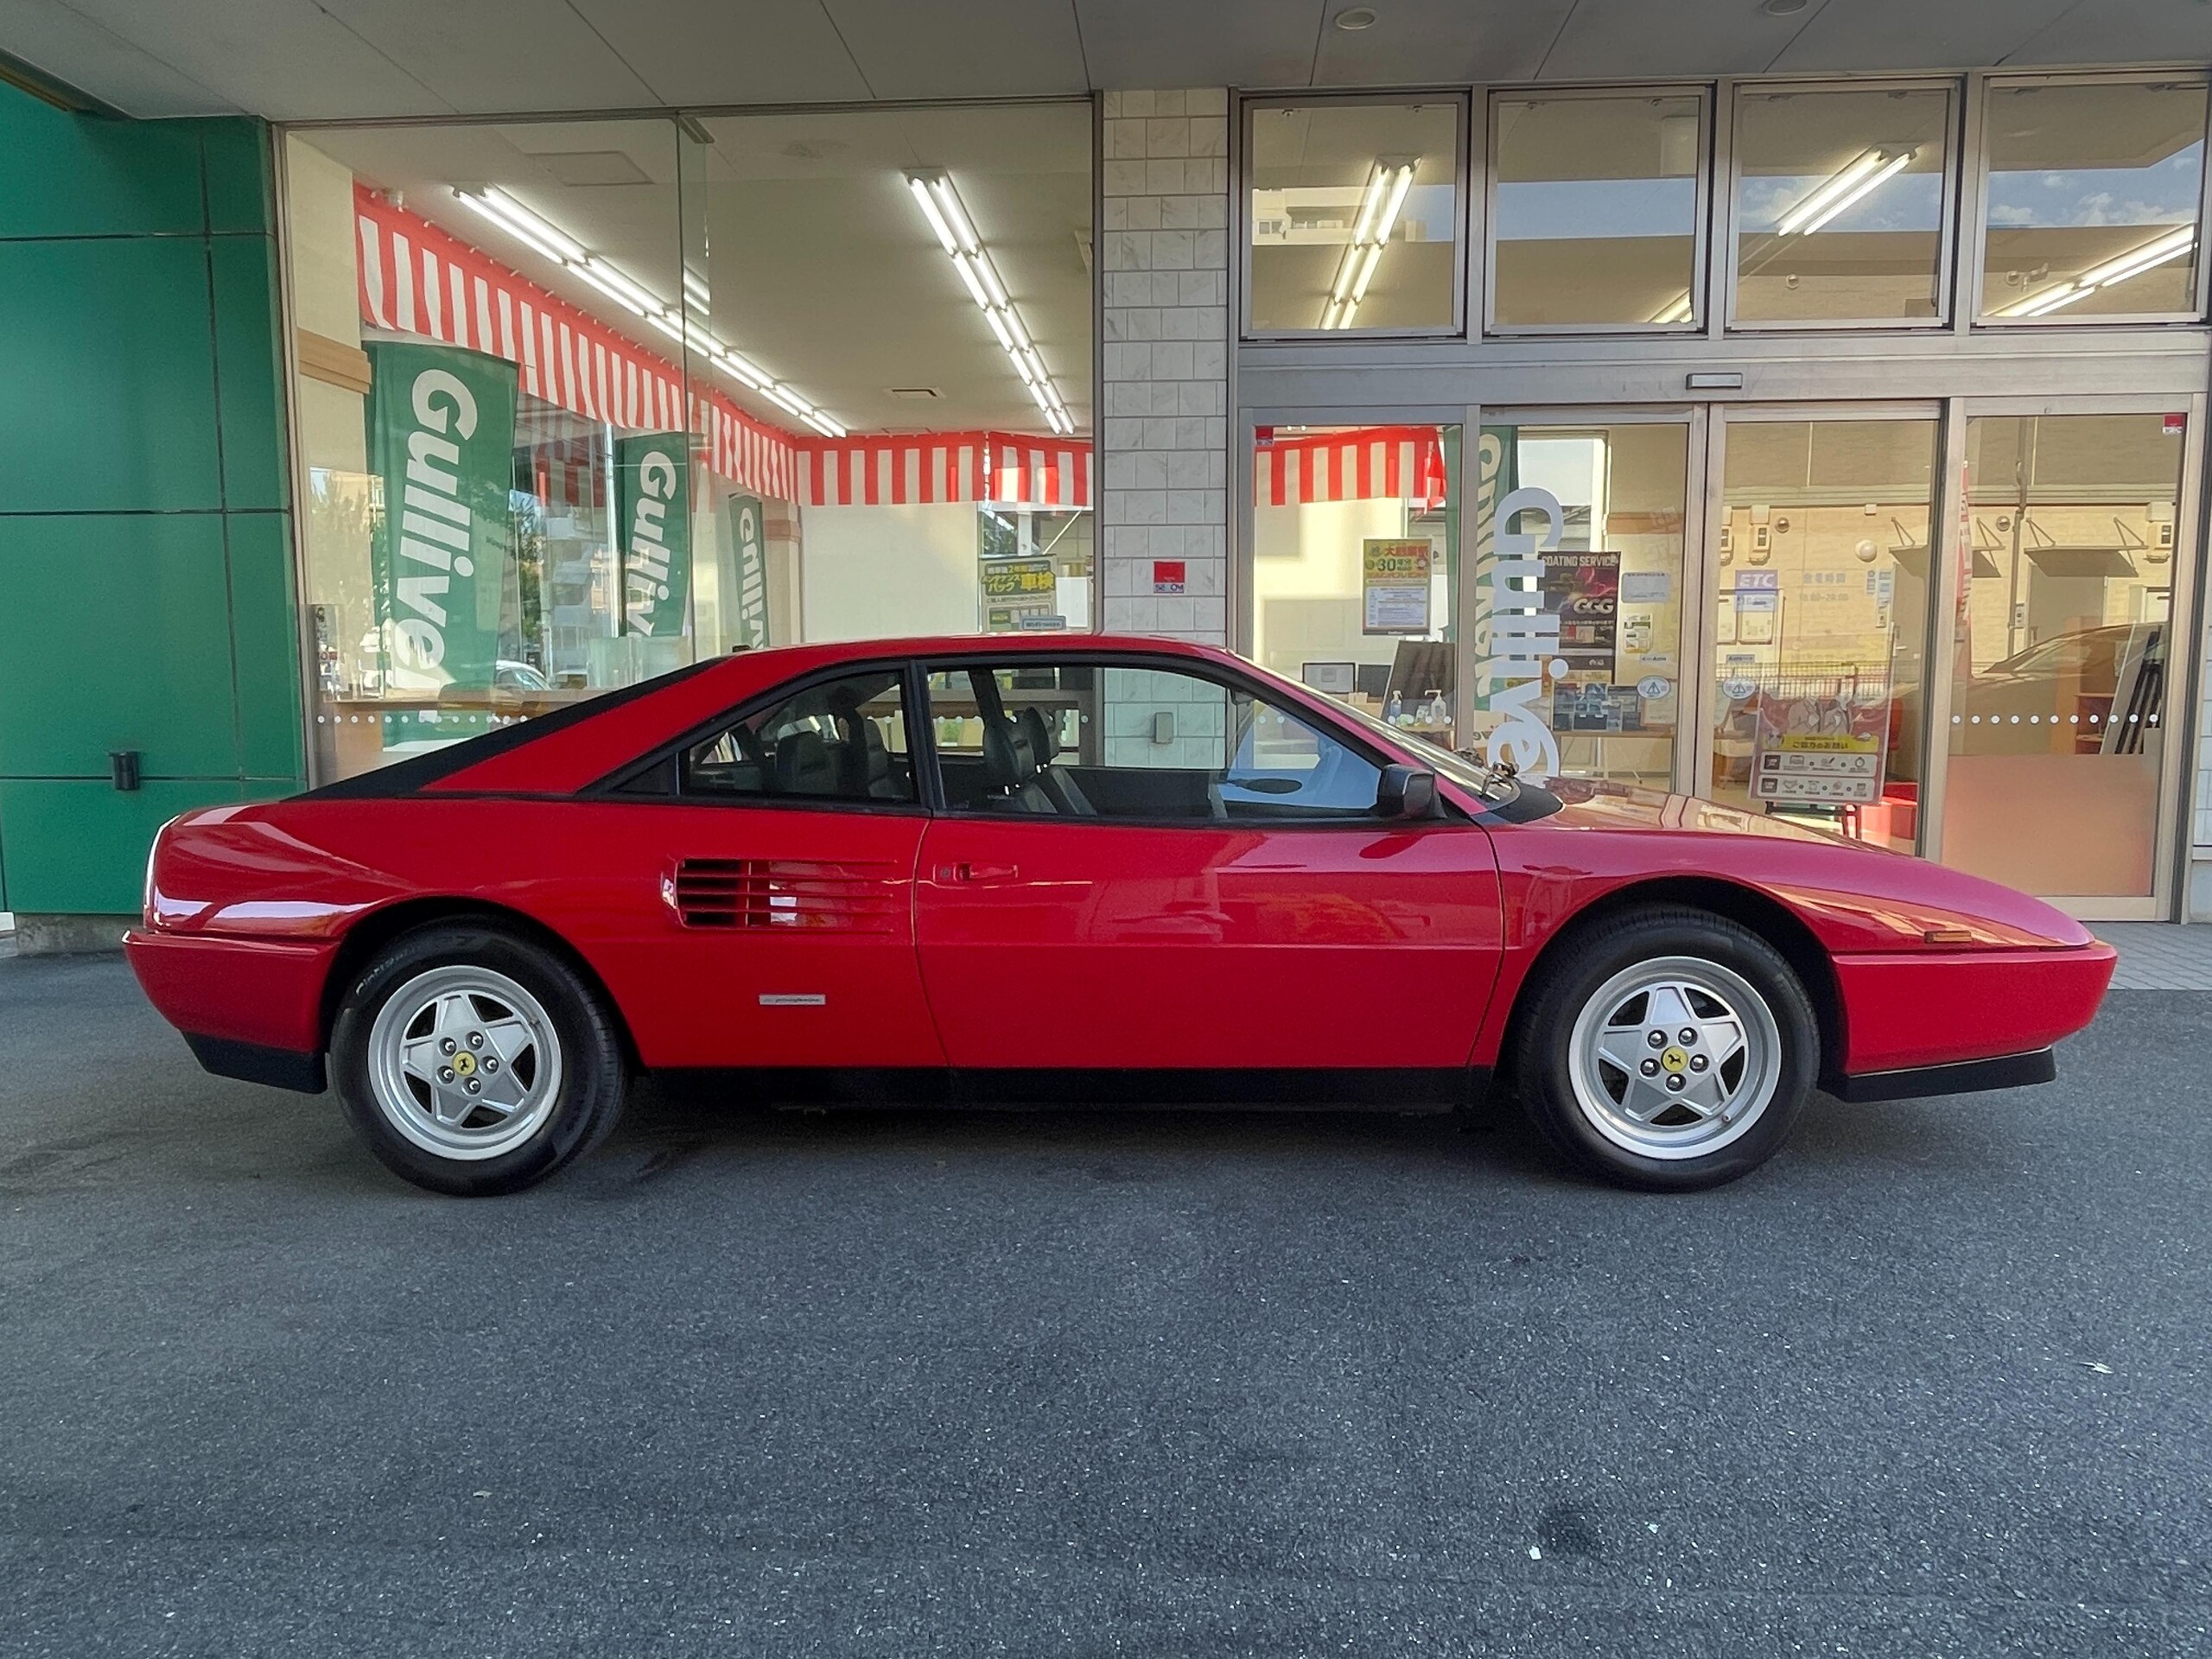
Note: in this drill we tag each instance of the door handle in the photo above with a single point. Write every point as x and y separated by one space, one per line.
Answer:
949 873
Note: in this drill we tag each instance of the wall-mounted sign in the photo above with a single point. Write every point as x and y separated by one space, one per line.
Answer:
441 441
1018 579
1167 576
1583 590
749 557
653 510
1394 586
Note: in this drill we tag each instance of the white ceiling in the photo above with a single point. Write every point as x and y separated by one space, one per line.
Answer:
324 59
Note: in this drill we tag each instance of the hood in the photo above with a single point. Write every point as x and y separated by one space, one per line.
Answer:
1586 805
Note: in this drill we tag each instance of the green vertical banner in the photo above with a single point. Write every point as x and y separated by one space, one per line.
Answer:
749 556
442 440
1498 475
652 505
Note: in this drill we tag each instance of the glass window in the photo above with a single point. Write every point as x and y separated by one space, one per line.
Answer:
1820 599
1602 508
845 740
2092 198
1089 740
1596 216
1354 557
2059 691
1839 205
1354 216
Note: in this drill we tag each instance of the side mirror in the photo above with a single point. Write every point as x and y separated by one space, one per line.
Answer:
1406 792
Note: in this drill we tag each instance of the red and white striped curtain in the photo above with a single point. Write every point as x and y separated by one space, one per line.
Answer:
417 278
1366 463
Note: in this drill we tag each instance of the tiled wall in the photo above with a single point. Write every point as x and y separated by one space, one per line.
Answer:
146 597
1164 263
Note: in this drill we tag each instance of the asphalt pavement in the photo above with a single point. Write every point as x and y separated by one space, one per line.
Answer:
1937 1382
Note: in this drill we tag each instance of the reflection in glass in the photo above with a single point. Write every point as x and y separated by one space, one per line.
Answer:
1819 578
1354 211
1595 220
1614 580
2092 200
1839 205
1354 552
2059 695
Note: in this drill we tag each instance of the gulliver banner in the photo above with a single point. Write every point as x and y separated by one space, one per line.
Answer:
750 553
441 439
653 504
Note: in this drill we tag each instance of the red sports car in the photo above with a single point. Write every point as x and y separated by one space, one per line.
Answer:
1032 868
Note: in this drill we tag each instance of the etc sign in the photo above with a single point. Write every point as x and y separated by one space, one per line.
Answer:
1523 653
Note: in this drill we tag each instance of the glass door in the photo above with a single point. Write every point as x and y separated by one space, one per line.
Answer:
2070 654
1818 571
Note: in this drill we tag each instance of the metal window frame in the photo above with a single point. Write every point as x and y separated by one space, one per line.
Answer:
1934 410
1974 261
1700 287
1728 170
1240 192
2171 848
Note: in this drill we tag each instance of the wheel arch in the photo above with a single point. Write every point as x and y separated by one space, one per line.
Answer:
380 927
1760 913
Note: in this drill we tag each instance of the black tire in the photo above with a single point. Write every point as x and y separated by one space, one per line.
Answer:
584 1108
1580 968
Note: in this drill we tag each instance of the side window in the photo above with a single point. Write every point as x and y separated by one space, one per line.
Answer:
841 741
1079 740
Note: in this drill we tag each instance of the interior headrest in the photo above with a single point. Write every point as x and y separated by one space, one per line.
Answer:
1009 759
1044 743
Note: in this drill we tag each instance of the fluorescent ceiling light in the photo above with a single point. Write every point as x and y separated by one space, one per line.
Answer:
554 245
1850 184
2157 251
1387 184
948 219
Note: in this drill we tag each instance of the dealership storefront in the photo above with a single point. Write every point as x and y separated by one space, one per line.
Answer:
1832 448
1849 434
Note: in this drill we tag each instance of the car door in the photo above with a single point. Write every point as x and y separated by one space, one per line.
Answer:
756 889
1146 863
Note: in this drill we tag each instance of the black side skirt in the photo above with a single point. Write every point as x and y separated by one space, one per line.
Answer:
1964 1077
1403 1089
280 1068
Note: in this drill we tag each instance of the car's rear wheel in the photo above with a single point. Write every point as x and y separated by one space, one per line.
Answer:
1668 1050
474 1062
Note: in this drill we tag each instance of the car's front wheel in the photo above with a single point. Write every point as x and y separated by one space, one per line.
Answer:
474 1062
1671 1050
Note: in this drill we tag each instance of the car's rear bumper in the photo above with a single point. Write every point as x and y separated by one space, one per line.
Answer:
231 996
1933 1023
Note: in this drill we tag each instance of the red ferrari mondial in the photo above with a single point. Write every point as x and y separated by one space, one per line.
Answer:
1030 867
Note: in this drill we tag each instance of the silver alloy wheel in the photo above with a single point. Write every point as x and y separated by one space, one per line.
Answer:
1674 1058
464 1062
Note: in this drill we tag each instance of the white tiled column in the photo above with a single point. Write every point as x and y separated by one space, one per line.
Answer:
1164 262
2196 901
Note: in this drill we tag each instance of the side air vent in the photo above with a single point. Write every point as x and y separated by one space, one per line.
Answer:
739 893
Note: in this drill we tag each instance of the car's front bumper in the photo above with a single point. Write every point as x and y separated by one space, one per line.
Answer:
1946 1021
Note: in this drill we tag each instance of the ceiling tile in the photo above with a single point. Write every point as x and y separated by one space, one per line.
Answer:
491 56
1863 35
77 52
699 51
288 59
1135 45
1635 38
981 48
1431 42
2123 31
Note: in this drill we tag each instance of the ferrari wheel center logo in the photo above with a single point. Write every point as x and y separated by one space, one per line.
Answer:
464 1064
1676 1060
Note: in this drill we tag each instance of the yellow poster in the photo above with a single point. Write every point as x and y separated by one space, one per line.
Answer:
1394 583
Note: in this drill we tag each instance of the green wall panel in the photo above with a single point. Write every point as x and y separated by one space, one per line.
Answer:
251 382
117 635
240 188
107 376
74 846
264 623
63 174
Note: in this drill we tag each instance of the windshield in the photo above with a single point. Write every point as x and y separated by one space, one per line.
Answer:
1492 789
